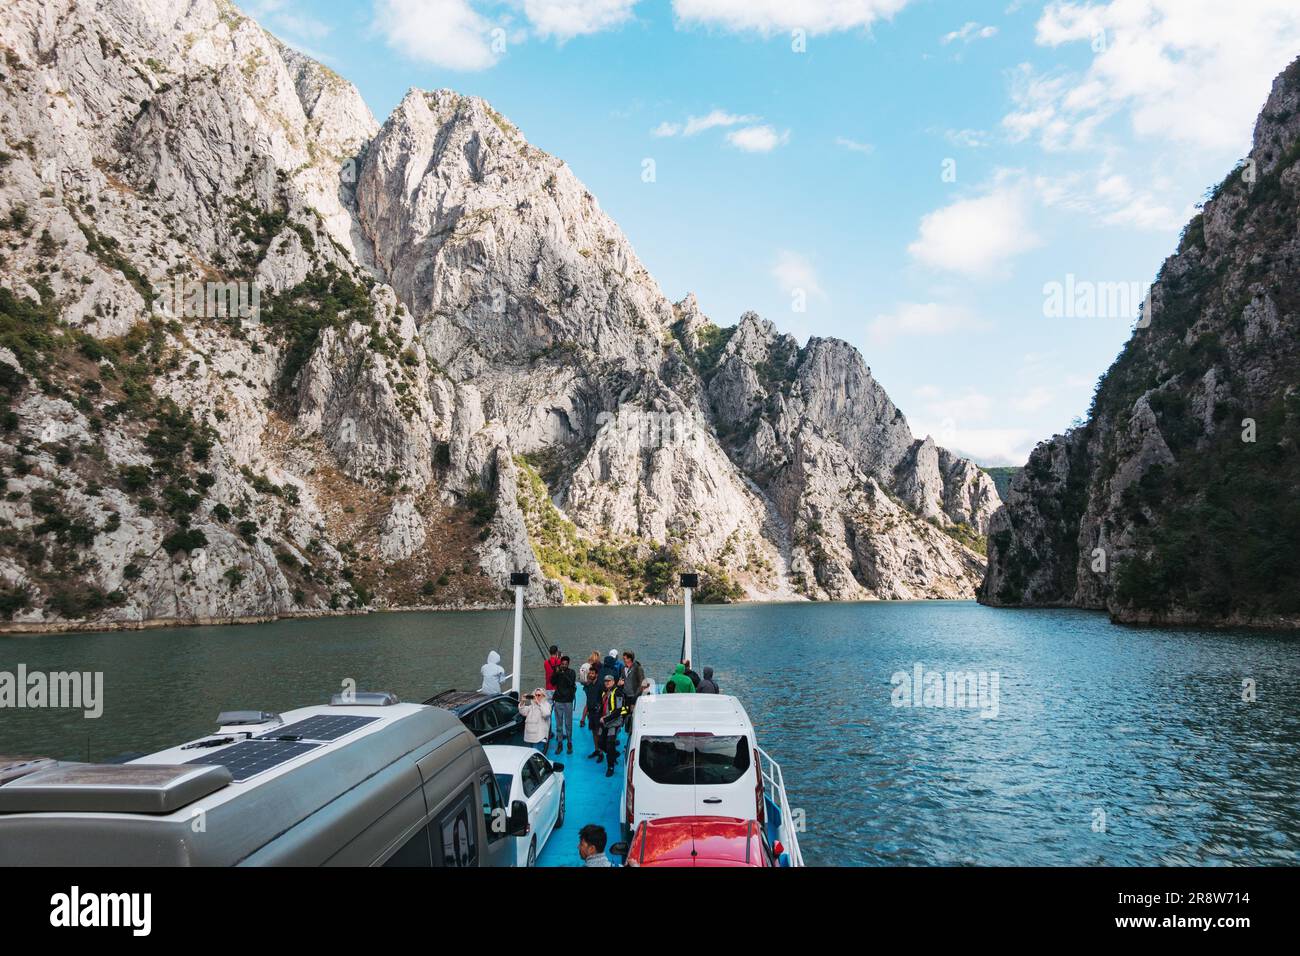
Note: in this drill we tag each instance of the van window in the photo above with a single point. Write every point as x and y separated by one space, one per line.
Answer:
707 760
455 834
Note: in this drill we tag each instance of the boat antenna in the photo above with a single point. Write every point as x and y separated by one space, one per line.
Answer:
518 581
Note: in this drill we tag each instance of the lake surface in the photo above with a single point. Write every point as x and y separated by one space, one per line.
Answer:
1110 745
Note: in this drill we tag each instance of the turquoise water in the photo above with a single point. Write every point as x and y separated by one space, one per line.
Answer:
1110 745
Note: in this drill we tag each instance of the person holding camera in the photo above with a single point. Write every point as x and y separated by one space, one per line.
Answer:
536 710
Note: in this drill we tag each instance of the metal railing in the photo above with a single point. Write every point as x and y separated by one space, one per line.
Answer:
774 786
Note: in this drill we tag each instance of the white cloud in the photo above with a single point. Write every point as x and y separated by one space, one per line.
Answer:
758 139
1189 71
970 31
922 318
991 447
778 16
963 422
976 237
447 33
566 19
1033 400
459 34
282 16
969 138
854 146
1110 198
698 124
695 125
795 273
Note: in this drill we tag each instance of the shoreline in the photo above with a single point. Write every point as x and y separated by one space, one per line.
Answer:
36 629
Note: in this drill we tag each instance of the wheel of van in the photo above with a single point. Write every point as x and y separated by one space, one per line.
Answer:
559 817
532 853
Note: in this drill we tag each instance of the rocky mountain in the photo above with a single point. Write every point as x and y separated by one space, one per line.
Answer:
1178 500
260 356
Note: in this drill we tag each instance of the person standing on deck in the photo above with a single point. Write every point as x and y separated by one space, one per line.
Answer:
618 662
591 710
630 684
591 663
552 662
694 677
493 674
707 684
608 667
679 683
566 689
612 713
537 719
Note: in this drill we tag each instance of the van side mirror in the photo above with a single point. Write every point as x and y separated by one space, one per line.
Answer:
558 767
518 825
619 849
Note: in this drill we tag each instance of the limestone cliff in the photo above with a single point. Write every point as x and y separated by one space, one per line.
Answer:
1177 501
260 355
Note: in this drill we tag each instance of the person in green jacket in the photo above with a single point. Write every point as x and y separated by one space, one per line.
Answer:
679 683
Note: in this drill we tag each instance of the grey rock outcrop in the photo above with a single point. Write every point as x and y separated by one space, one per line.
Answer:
457 366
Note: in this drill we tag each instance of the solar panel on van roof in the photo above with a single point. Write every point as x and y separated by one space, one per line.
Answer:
248 758
320 727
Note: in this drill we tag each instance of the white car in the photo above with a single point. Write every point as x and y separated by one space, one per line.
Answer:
525 774
691 755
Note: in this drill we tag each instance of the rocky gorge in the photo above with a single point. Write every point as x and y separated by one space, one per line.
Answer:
1178 499
261 355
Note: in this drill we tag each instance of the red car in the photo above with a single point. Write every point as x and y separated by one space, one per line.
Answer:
698 841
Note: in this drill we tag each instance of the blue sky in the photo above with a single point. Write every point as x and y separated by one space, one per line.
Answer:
909 175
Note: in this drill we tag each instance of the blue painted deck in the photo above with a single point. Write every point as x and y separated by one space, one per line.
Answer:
590 797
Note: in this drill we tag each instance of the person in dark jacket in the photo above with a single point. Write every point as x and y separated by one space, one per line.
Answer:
707 683
630 685
695 678
591 711
566 689
608 667
612 714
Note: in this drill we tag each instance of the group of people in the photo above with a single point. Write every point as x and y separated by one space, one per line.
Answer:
611 686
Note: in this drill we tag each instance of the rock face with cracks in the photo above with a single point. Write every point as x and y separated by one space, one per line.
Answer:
260 355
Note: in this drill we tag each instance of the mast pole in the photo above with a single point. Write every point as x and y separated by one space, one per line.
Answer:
689 583
519 581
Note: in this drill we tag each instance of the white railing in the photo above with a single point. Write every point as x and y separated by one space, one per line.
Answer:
774 784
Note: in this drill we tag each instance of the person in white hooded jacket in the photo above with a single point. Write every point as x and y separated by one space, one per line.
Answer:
537 719
493 674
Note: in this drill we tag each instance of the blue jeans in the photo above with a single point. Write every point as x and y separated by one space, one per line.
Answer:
539 746
563 714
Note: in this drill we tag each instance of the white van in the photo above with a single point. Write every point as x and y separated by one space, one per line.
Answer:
691 755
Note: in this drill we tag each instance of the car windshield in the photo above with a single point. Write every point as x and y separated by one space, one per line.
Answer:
503 782
694 760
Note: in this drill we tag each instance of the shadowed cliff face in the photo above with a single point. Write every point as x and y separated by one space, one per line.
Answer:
1177 500
260 355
